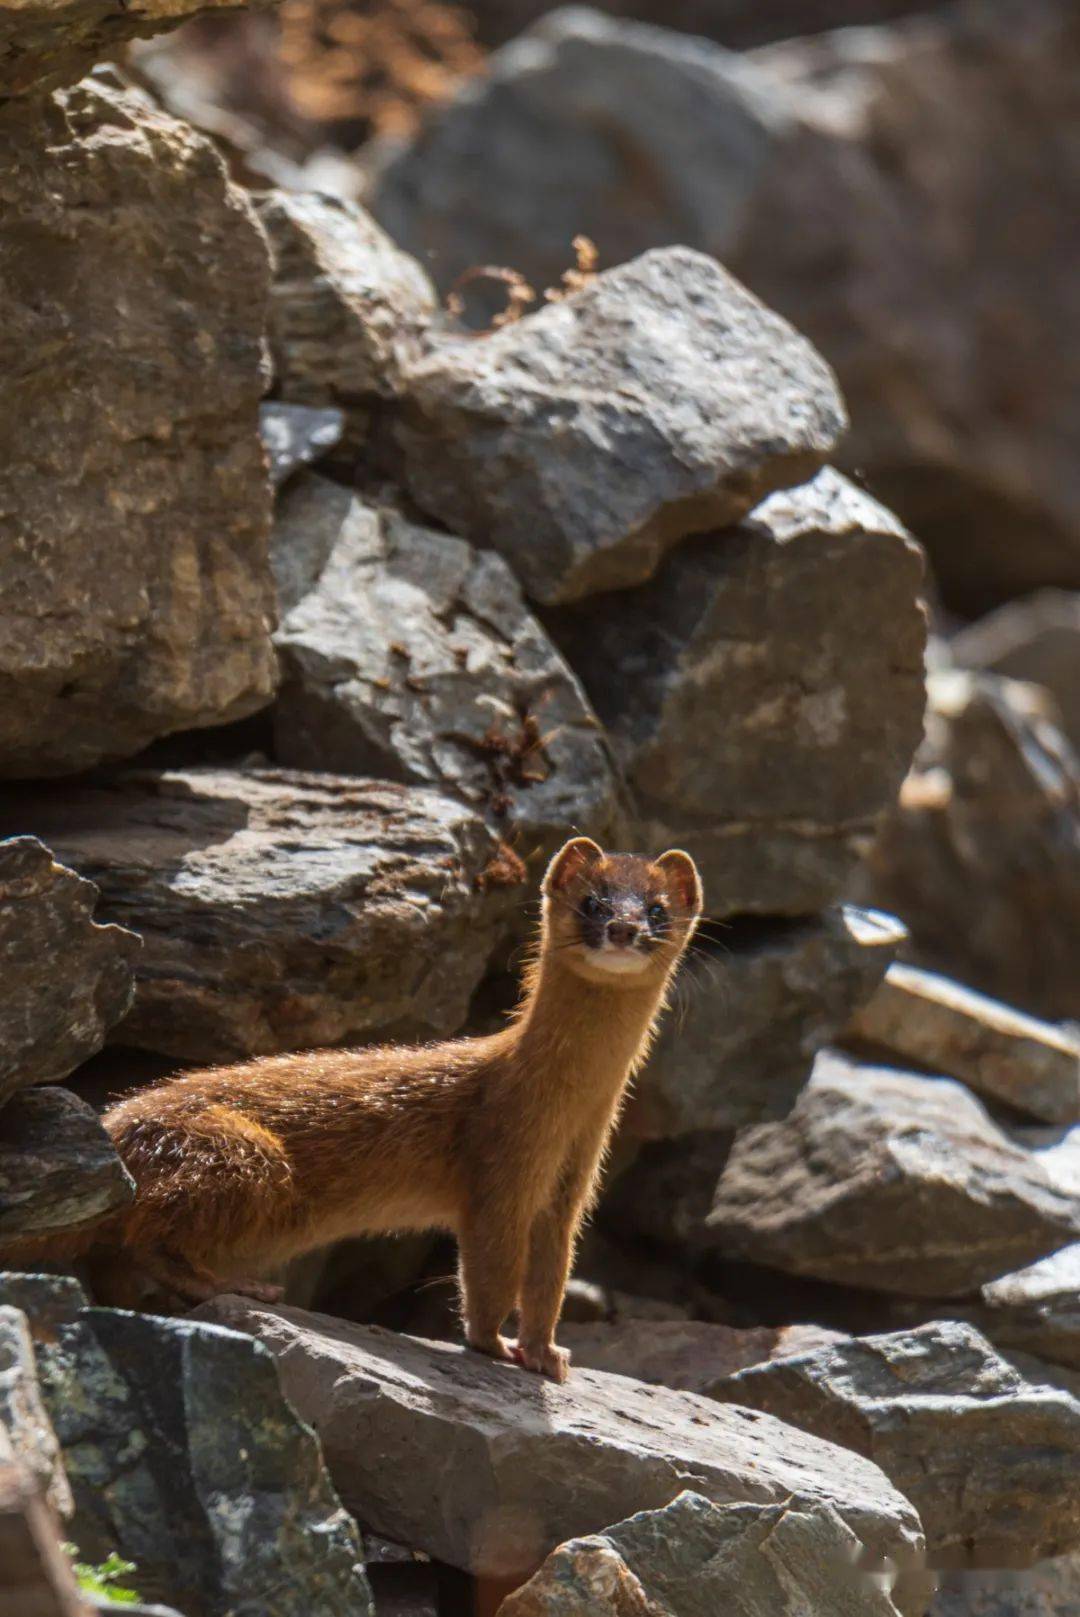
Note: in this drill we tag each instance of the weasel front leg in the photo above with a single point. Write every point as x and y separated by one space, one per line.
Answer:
550 1258
492 1251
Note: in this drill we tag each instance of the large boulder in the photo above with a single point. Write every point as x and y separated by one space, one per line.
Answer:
919 1016
66 978
411 656
764 692
660 399
58 1167
697 1559
986 1453
890 1180
348 309
1037 640
402 1421
134 500
752 1010
942 292
183 1455
688 1354
1037 1308
281 910
981 855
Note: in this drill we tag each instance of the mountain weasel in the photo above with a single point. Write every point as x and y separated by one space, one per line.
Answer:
499 1139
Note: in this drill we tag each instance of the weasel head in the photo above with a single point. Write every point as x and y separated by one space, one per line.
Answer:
619 919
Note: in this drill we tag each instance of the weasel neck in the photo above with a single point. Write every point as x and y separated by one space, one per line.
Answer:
592 1033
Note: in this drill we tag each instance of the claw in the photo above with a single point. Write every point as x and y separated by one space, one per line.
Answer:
546 1360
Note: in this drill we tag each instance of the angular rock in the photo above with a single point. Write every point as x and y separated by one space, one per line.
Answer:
812 170
922 1017
27 1429
751 1013
1037 1309
988 1457
134 500
1051 1589
399 1416
689 1355
890 1180
411 656
281 910
1036 640
66 979
348 309
183 1455
697 1559
991 808
659 400
36 1578
295 435
764 693
58 1167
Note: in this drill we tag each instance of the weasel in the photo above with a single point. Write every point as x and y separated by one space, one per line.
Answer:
499 1139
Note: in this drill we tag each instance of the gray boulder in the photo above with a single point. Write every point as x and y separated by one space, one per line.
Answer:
661 399
66 979
764 692
295 435
922 1017
134 536
1036 639
58 1168
694 1558
751 1011
991 807
987 1454
24 1423
281 910
1051 1589
183 1455
403 1421
1037 1309
411 656
690 1355
890 1180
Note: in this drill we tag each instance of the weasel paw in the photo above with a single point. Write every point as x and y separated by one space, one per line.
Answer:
258 1290
547 1360
496 1347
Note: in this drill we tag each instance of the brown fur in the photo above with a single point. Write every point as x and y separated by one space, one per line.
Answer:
499 1139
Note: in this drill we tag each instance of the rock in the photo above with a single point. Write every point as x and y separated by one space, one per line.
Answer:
53 42
58 1167
27 1430
348 309
1051 1589
1037 1309
184 1457
991 807
66 979
696 1559
987 1457
36 1579
999 1052
397 1416
728 21
1036 640
411 656
281 910
689 1355
942 292
134 537
764 693
890 1180
742 1041
294 435
659 400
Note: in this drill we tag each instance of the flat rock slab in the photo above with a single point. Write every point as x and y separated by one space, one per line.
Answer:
754 1005
1038 1308
134 536
280 910
410 656
888 1179
662 399
690 1355
66 980
404 1423
58 1167
999 1052
694 1558
183 1455
987 1456
764 692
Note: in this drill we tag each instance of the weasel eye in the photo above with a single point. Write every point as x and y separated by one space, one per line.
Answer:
591 906
657 916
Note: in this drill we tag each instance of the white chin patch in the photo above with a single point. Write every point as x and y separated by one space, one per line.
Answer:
618 961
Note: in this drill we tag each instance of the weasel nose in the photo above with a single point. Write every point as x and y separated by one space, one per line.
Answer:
623 933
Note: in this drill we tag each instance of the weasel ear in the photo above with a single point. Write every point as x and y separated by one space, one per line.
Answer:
572 858
683 880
